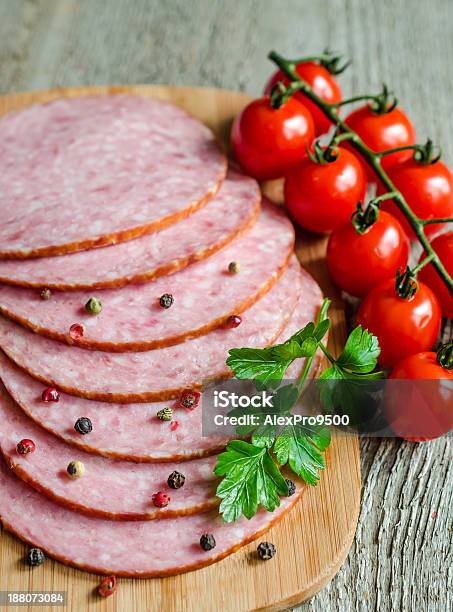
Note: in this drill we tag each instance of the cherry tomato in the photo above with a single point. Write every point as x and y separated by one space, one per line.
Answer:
322 83
403 326
269 142
443 245
427 188
359 262
381 131
427 409
323 196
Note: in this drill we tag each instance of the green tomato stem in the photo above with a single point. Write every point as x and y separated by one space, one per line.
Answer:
373 159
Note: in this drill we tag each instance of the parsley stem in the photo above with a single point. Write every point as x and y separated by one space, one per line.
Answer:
322 314
326 352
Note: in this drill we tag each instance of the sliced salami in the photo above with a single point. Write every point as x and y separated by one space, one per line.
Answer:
125 548
152 375
134 318
228 215
115 426
109 489
79 173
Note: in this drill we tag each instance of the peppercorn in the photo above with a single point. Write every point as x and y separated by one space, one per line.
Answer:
291 487
35 557
233 321
83 426
25 447
176 480
107 586
189 399
166 300
75 469
166 414
93 306
207 541
77 331
50 395
234 267
266 550
161 499
45 294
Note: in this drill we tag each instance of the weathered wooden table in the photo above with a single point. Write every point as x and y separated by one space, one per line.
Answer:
402 555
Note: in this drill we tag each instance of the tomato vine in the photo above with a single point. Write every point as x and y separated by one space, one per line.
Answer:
288 67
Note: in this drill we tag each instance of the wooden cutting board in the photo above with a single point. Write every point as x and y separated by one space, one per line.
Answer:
312 540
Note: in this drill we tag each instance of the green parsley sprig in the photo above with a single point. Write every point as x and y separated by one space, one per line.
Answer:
251 470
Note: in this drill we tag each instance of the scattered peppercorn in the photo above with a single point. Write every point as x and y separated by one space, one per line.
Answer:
207 541
107 586
266 550
75 469
174 425
50 395
45 294
233 321
93 306
189 399
77 331
161 499
25 447
166 300
176 480
83 426
35 557
166 414
291 487
234 267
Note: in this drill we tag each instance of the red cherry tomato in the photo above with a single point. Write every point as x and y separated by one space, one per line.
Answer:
381 131
403 326
359 262
427 409
322 83
443 245
321 197
269 142
427 188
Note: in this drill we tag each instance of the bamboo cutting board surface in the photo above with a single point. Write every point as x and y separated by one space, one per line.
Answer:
312 540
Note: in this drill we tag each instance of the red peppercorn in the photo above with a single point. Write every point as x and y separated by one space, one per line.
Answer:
50 395
77 331
160 499
174 425
107 586
189 399
25 447
233 321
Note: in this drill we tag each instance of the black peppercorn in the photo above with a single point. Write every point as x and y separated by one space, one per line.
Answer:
207 541
266 550
176 480
166 300
35 557
291 487
83 426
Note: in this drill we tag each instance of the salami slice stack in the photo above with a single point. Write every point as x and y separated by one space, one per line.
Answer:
131 261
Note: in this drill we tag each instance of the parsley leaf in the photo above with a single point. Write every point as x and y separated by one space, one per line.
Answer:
302 447
360 352
251 478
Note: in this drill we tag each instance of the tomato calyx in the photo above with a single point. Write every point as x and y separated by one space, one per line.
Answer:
323 155
363 219
444 356
383 102
406 283
280 94
333 62
427 154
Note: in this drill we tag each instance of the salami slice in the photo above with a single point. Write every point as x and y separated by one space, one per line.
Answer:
109 489
137 549
152 375
228 215
116 425
132 318
79 173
